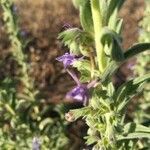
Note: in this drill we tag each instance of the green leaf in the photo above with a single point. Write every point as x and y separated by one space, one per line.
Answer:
91 139
113 66
78 3
136 49
138 135
114 4
124 93
83 66
115 23
133 127
118 28
9 109
76 40
86 16
111 89
113 40
45 122
112 24
134 131
69 38
104 11
109 71
82 112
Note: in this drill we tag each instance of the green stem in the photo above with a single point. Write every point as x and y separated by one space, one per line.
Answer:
97 21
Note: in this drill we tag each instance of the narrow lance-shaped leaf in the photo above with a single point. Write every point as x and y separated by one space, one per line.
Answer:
134 131
133 127
86 16
113 66
109 71
104 9
114 4
136 49
123 95
135 135
82 112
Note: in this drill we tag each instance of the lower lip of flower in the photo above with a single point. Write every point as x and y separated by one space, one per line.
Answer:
79 93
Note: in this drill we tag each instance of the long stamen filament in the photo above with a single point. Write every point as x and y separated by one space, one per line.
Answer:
73 75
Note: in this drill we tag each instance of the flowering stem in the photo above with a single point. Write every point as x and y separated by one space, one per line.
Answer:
97 21
73 76
92 83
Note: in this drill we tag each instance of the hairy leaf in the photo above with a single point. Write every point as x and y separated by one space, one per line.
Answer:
86 16
114 43
128 90
113 66
76 40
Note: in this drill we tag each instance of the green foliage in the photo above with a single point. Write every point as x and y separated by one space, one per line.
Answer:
86 16
112 42
78 41
24 115
142 67
21 121
106 109
113 66
128 90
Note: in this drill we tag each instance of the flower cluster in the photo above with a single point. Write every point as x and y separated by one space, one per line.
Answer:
80 92
100 43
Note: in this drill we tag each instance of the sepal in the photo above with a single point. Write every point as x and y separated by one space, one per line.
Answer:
76 40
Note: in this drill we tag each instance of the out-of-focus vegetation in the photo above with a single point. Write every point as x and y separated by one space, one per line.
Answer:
24 114
142 67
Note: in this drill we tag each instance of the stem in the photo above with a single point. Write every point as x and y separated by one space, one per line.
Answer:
97 21
74 77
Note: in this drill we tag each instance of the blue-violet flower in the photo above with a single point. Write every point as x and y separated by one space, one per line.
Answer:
67 59
79 93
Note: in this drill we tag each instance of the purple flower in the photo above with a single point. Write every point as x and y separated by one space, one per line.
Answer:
79 93
67 59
